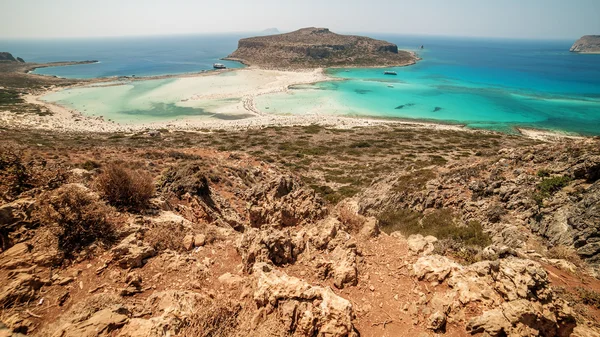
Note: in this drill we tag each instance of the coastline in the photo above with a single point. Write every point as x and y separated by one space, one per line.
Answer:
65 119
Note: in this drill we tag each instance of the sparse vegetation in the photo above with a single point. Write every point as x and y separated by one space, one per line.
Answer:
167 236
351 220
20 173
589 297
549 186
219 318
413 182
90 165
76 218
565 253
190 178
125 188
441 223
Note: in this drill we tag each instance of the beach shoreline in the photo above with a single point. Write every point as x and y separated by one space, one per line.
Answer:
65 119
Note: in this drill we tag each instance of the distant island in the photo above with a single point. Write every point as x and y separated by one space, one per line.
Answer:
318 48
589 44
270 31
8 57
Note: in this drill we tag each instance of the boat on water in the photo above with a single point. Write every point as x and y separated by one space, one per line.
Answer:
219 66
390 73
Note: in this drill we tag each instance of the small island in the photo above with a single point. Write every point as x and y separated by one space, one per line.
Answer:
588 44
310 48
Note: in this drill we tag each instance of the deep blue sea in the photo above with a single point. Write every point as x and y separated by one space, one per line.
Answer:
127 56
481 83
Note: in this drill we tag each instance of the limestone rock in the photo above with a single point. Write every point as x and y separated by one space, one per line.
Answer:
370 228
434 268
284 202
345 271
188 242
314 311
132 253
276 246
437 321
20 288
199 240
421 245
102 323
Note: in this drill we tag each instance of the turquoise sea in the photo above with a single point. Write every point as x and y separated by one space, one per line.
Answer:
481 83
491 84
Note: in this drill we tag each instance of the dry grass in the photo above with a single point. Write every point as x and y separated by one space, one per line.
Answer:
220 318
166 236
351 220
76 218
125 188
20 173
565 253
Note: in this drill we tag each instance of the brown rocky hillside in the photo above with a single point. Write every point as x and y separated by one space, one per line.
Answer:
424 233
316 48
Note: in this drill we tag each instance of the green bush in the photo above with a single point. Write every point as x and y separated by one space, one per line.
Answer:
549 186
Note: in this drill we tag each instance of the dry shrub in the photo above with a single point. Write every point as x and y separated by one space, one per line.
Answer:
351 220
192 178
20 173
220 318
125 188
465 254
77 218
166 236
565 253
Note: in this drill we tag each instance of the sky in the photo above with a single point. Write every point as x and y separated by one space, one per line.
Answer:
546 19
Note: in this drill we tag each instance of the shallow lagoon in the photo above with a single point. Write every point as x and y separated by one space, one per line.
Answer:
495 84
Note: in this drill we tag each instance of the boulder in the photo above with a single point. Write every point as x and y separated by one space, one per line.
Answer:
345 271
188 242
370 228
199 240
437 321
418 244
434 268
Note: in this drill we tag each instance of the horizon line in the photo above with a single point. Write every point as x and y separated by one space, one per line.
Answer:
364 33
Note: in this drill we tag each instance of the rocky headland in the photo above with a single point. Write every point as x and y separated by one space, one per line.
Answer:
588 44
318 48
8 57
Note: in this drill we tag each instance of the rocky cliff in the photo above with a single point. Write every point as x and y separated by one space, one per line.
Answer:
589 44
7 57
318 47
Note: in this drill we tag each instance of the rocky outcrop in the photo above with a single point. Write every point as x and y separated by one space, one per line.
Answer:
516 293
584 220
307 310
316 48
588 44
132 253
284 202
504 193
7 57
